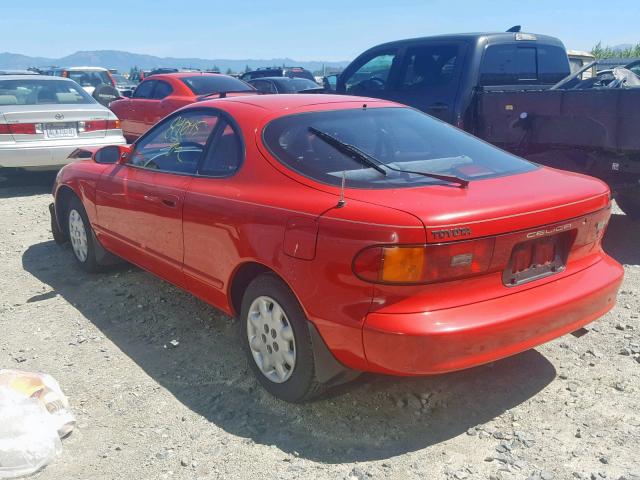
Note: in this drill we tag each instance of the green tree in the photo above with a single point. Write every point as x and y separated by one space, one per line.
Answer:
599 51
229 71
134 73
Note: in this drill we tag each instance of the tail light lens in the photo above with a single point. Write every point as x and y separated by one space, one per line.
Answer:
412 264
93 125
21 128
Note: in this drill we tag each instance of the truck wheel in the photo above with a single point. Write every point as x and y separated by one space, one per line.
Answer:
277 341
630 204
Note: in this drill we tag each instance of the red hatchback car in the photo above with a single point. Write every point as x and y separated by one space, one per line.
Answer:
347 234
159 95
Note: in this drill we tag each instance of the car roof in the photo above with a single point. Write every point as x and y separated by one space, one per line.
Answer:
186 75
292 101
89 69
493 37
46 78
279 79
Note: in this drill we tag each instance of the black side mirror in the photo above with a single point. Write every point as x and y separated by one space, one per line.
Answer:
127 93
108 154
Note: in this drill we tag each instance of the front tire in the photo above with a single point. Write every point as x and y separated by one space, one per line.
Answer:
81 237
277 341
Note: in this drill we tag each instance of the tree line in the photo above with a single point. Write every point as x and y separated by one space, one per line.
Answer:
599 51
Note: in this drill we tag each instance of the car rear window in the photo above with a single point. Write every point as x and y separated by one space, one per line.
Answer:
89 78
512 64
400 138
40 92
205 84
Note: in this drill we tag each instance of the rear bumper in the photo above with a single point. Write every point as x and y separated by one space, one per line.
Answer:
35 154
466 336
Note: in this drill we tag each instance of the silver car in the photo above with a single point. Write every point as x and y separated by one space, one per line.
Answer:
43 119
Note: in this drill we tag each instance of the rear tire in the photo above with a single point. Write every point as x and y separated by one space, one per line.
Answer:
81 236
630 204
277 341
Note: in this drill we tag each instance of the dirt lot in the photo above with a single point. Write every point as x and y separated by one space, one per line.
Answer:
147 410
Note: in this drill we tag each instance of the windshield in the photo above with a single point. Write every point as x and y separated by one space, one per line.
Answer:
400 137
89 78
39 92
205 84
121 80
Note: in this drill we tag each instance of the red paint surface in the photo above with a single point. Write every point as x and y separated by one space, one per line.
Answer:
197 233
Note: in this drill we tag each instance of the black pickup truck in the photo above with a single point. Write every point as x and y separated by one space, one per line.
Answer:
507 89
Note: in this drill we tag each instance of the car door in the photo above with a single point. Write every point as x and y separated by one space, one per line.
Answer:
157 108
139 203
428 78
211 241
142 98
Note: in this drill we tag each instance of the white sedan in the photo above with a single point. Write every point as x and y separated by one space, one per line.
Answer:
43 119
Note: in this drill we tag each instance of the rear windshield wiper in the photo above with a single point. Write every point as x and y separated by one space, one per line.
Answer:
349 150
370 161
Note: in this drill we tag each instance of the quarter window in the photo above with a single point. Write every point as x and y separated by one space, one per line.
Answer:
162 90
177 144
225 153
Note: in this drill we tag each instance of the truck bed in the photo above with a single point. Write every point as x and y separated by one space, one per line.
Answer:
602 119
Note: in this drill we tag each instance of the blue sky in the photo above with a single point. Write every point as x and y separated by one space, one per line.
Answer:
299 29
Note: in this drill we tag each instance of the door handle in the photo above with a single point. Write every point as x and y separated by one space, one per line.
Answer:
167 201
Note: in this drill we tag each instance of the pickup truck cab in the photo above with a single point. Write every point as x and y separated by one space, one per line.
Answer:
505 88
439 74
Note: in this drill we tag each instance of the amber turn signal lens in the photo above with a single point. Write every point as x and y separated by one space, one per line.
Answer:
402 264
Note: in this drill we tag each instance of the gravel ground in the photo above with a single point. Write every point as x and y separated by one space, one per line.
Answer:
148 409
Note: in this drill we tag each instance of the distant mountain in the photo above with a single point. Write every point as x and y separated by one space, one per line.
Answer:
124 61
622 46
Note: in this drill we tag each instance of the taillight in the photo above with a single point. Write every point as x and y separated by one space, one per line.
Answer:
21 128
93 125
409 264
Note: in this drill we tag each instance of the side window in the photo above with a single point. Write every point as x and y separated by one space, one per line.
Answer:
429 66
262 86
144 90
177 144
225 154
163 89
372 76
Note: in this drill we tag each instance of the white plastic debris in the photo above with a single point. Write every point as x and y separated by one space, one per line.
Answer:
34 415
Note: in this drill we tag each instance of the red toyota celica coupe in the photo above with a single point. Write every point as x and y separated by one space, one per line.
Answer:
347 234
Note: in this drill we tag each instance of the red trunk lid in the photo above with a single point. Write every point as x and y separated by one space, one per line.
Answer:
495 206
